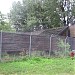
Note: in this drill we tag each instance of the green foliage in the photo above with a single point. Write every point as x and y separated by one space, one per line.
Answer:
64 48
62 44
34 13
41 66
5 26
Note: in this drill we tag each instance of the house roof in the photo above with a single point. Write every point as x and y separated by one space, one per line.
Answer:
55 31
35 32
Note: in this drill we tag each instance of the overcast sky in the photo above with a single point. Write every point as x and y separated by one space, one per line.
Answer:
5 5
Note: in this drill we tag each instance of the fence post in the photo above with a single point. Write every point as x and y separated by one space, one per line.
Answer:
1 46
30 44
50 45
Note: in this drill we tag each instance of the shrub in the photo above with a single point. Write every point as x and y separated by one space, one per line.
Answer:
64 48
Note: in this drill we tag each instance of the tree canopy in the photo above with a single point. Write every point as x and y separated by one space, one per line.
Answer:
5 26
32 14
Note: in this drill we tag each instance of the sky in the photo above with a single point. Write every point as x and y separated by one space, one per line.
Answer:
5 5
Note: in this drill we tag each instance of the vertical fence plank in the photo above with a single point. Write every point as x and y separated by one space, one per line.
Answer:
1 46
30 45
50 45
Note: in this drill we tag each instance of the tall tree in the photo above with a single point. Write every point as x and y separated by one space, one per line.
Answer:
32 14
44 13
17 15
66 11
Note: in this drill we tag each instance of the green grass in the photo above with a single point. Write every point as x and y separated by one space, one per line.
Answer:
39 66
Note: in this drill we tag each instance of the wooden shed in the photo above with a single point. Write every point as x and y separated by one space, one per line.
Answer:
72 30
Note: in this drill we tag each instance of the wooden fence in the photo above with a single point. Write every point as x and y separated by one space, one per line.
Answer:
17 42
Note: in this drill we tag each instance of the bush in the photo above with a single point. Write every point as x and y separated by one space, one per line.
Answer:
64 48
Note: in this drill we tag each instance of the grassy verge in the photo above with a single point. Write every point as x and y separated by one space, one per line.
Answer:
39 66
